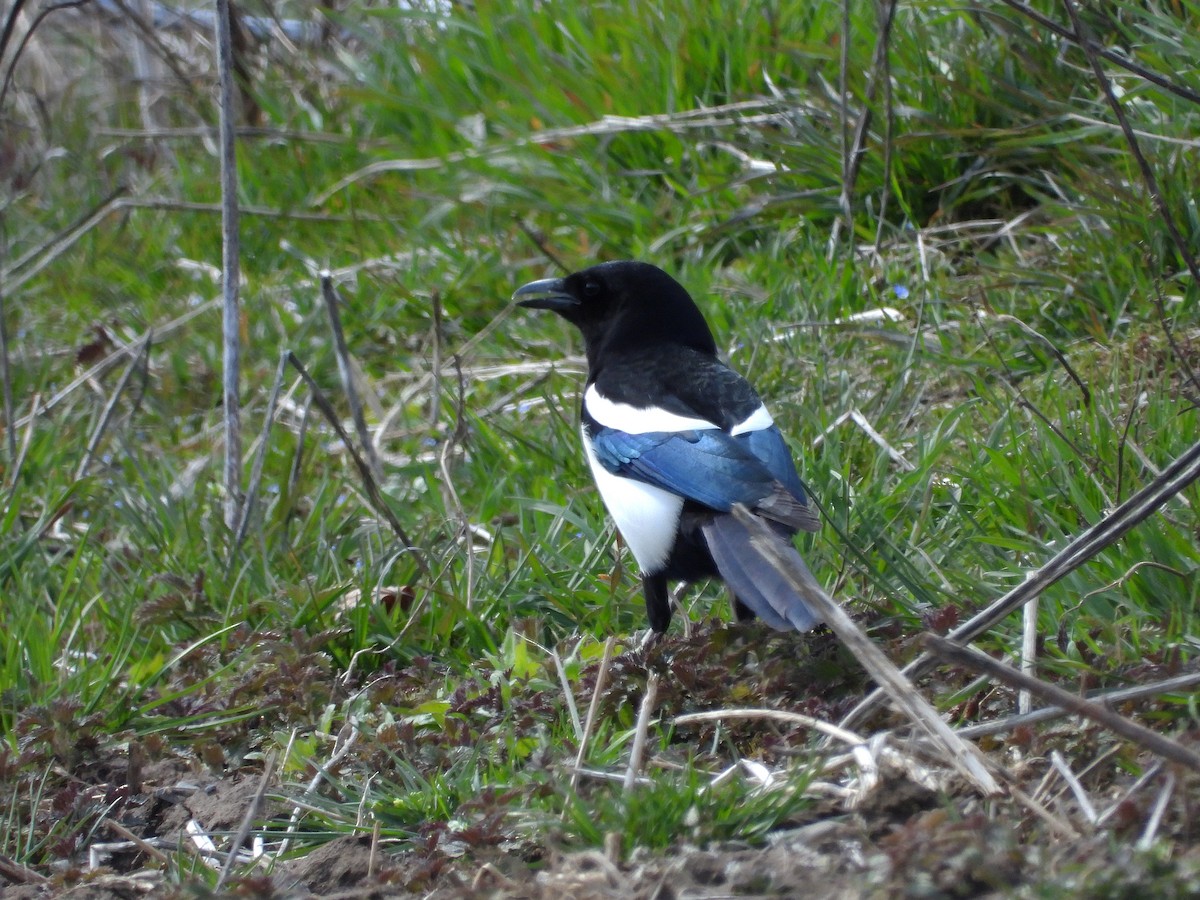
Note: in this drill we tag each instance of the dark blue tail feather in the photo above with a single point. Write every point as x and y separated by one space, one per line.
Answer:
753 579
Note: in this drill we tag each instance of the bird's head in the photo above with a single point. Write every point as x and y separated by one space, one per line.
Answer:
624 305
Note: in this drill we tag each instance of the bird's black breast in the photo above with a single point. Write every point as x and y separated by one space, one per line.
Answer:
679 380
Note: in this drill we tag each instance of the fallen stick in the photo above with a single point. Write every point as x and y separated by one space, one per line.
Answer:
1178 475
950 652
1047 713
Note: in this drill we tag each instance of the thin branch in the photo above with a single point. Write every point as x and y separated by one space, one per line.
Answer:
854 149
113 358
8 29
1177 476
745 112
231 271
1064 770
373 493
346 370
1089 48
964 757
948 651
538 239
256 470
20 874
346 739
590 721
1116 58
39 257
110 407
1048 713
638 750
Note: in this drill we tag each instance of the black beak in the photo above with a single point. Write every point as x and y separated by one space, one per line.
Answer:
549 293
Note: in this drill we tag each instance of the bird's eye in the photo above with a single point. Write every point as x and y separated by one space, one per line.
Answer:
592 289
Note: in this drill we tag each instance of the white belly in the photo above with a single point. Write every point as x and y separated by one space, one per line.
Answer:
646 516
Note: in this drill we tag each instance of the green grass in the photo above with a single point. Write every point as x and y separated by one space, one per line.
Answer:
997 209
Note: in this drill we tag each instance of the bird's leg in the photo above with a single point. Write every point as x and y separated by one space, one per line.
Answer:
741 612
658 602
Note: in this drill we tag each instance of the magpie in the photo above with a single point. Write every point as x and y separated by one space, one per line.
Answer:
675 438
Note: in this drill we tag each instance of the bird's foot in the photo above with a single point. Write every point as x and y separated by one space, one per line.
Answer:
650 640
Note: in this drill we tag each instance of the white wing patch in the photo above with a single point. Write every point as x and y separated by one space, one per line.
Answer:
632 420
756 421
646 516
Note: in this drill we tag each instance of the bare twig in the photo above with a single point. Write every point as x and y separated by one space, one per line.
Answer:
1178 475
110 407
854 149
1160 203
346 370
1029 637
449 446
1048 693
1048 713
142 844
639 736
964 757
247 820
741 113
1053 348
10 23
1118 59
231 271
298 458
256 470
112 359
32 262
18 873
539 240
373 492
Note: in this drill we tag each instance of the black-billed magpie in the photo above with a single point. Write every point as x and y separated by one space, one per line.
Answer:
675 438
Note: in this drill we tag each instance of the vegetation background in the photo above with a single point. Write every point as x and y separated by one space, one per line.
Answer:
918 227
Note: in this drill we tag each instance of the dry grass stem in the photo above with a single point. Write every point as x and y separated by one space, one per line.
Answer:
110 407
774 715
1156 814
590 721
248 819
1077 789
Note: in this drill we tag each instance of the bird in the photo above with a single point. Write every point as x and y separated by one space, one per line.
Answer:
675 439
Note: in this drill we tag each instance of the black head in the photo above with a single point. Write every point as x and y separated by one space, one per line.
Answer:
622 305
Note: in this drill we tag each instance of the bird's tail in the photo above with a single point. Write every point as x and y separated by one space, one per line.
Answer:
753 580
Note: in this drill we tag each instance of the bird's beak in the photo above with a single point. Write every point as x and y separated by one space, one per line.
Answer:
549 293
